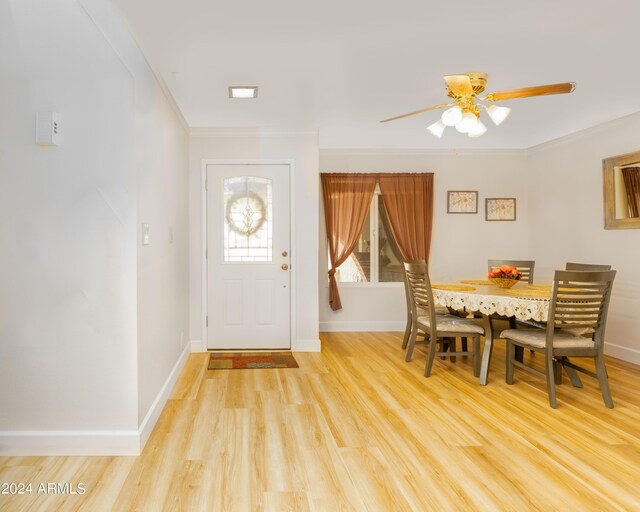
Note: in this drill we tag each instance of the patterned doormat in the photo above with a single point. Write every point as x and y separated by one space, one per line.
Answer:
250 360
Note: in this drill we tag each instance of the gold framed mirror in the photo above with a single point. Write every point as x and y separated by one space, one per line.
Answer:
621 185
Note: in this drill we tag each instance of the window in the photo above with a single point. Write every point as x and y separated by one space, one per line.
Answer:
376 258
247 220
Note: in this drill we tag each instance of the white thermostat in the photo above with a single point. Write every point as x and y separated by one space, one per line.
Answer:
47 128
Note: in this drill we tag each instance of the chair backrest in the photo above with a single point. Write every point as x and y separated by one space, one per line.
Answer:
585 266
419 289
525 267
407 291
580 300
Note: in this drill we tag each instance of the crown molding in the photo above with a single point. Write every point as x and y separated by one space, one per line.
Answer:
170 99
118 35
419 152
206 132
586 132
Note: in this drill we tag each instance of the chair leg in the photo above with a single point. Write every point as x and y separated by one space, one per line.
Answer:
452 348
601 371
571 373
445 346
509 371
407 332
487 350
463 343
518 353
476 356
430 356
557 372
412 343
551 383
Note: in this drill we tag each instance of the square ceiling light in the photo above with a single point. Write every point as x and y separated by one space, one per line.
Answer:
243 91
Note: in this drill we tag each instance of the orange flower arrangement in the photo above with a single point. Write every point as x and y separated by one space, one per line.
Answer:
505 272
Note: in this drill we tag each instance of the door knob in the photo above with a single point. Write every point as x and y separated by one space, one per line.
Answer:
284 266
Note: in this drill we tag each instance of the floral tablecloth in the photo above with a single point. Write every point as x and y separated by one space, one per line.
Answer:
490 299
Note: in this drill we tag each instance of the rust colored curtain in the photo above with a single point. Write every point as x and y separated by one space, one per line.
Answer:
382 215
347 198
631 177
408 201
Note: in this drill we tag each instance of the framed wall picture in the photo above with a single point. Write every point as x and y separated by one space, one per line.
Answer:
500 208
462 201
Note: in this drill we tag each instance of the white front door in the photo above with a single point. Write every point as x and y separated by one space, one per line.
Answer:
248 289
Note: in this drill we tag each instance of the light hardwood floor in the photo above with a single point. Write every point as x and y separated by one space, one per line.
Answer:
357 428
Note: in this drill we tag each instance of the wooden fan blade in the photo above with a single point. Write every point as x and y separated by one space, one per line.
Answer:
459 85
526 92
417 112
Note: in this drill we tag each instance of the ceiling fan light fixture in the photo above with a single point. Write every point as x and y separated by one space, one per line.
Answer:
437 129
479 130
498 114
467 123
451 116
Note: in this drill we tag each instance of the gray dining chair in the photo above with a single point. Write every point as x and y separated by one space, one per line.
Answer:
575 328
438 329
407 296
525 268
440 310
585 266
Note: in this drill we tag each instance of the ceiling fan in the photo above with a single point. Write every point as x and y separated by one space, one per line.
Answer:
464 109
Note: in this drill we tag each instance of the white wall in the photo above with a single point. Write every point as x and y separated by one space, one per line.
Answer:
161 156
163 265
249 144
67 214
161 160
567 221
82 358
460 244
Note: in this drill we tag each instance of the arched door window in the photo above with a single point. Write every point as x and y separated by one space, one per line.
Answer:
248 225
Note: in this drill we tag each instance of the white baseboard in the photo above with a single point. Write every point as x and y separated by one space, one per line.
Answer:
69 442
92 442
151 418
197 346
368 326
306 345
630 355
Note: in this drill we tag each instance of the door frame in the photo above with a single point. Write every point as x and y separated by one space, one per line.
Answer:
290 162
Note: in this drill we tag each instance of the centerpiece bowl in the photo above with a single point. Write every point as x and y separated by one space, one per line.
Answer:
505 276
503 282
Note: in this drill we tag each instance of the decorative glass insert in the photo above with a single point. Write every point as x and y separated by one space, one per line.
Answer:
248 222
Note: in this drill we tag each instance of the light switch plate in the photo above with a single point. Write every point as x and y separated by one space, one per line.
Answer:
47 128
145 234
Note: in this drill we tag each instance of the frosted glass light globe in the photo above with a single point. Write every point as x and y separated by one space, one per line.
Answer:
498 114
436 129
451 116
478 130
467 123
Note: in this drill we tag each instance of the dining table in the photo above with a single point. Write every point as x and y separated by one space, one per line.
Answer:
522 302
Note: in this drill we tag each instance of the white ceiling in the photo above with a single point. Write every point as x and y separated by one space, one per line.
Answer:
342 65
